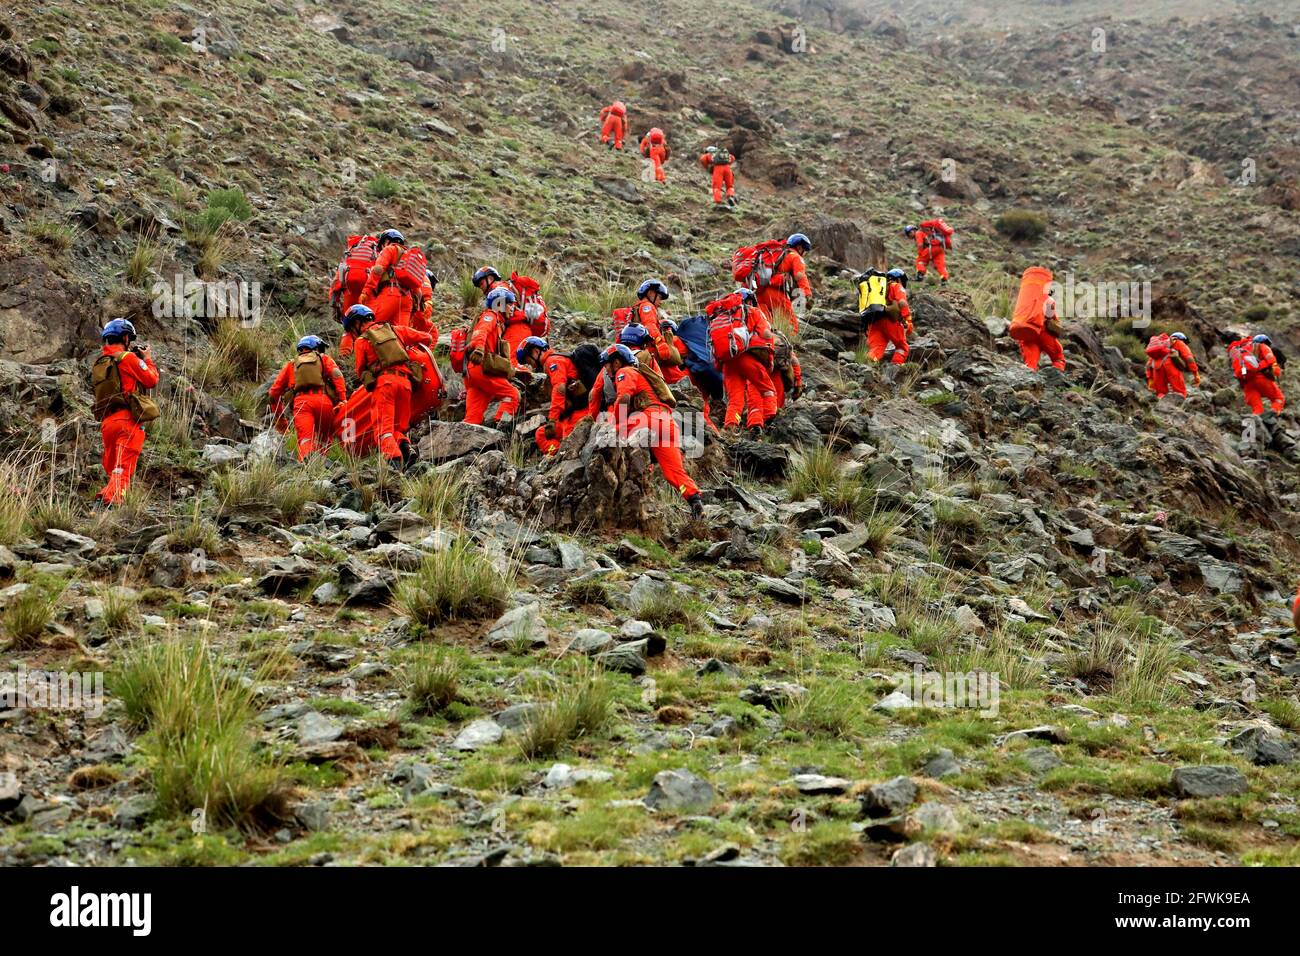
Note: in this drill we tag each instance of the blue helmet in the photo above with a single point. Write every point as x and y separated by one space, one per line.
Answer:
487 272
433 279
620 352
634 335
313 342
652 285
532 342
799 239
117 328
746 294
1262 339
908 230
358 313
391 235
668 324
500 297
1180 336
898 274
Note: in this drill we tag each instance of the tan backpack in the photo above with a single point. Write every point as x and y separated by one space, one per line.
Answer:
106 379
309 372
657 384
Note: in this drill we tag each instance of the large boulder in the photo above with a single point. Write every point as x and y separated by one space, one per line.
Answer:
594 482
843 241
43 318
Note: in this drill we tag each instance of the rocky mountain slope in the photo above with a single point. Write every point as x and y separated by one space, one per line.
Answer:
507 661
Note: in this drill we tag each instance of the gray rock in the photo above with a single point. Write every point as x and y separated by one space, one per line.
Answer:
447 441
133 812
625 658
941 764
327 593
108 745
11 792
517 716
68 542
780 589
287 574
481 733
344 518
680 791
591 641
1209 781
916 854
404 526
897 700
315 728
313 815
722 727
522 623
815 783
620 188
1041 759
1263 748
889 798
219 456
936 818
362 584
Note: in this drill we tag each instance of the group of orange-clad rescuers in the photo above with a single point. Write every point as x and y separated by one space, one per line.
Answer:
382 295
654 148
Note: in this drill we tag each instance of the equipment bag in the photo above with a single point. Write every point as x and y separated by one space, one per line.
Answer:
110 397
389 351
873 289
660 387
1241 354
586 359
622 318
728 334
410 270
354 270
1159 346
459 345
309 372
758 262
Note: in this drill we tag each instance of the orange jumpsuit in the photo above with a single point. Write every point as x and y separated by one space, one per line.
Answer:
122 434
386 298
481 388
392 395
1164 376
932 244
561 371
656 150
723 178
1035 340
775 298
1260 383
421 315
748 379
657 418
885 331
313 409
613 124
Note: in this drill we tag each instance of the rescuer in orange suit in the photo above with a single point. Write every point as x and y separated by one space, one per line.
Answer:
315 397
488 366
789 274
1035 324
123 435
1165 371
718 161
568 396
888 330
654 146
388 378
613 124
637 408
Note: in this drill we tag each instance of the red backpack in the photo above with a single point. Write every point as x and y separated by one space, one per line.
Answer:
759 262
410 270
728 329
622 317
1241 354
530 304
459 347
1159 347
357 261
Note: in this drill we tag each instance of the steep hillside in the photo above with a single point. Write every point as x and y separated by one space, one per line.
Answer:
504 660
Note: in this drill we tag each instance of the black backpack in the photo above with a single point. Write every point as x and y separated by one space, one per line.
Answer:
586 359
